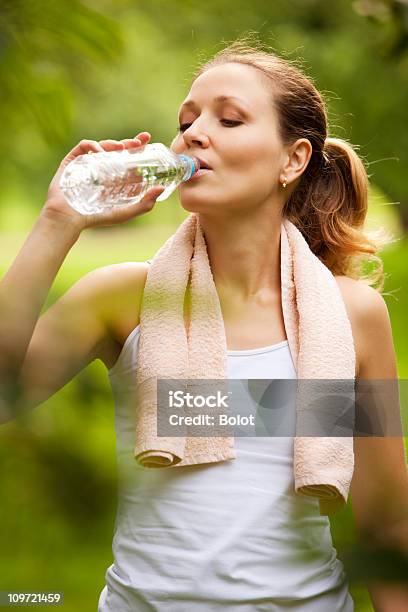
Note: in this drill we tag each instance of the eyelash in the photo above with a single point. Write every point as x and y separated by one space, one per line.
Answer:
184 126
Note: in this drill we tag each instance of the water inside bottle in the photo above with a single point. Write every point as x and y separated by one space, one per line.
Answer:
120 179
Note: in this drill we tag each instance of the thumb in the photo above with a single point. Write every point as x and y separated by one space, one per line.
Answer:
143 206
150 197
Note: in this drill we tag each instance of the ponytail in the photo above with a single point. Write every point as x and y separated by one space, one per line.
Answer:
329 204
329 207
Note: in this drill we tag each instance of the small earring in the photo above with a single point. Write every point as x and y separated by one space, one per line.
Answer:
284 183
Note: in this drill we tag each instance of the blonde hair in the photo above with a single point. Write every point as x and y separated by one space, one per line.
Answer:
329 205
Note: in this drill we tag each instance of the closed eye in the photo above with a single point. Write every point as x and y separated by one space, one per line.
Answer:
228 122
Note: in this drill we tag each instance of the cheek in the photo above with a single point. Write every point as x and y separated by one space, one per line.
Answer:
257 167
255 151
263 150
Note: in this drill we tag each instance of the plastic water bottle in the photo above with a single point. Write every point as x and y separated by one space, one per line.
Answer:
94 182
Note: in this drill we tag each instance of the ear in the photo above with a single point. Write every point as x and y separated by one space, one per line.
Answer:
297 159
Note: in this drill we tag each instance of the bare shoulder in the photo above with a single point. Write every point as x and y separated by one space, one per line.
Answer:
122 285
359 295
117 291
362 301
369 318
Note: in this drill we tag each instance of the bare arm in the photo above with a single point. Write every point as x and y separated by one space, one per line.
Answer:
25 286
78 328
379 488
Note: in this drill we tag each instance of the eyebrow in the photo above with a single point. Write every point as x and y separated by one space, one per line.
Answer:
189 103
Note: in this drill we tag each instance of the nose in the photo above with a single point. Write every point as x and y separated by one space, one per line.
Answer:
195 136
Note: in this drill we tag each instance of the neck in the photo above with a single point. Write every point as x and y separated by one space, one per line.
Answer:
244 254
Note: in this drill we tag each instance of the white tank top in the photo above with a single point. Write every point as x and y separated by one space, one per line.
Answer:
232 535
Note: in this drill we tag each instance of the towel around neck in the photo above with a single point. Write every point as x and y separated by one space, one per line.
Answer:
319 337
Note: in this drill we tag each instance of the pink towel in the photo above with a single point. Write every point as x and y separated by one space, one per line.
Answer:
319 337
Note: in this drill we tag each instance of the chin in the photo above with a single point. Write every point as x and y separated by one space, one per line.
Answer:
193 207
206 200
195 203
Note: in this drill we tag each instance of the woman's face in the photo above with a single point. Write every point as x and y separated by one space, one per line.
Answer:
236 135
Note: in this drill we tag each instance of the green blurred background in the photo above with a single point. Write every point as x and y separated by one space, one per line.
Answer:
92 69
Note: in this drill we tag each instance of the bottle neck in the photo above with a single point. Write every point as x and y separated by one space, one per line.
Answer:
191 166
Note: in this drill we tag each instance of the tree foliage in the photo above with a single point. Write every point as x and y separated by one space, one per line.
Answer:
73 69
47 49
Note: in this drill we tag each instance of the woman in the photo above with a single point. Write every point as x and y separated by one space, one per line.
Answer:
231 535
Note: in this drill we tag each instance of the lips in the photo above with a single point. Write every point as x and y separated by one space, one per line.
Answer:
203 164
197 175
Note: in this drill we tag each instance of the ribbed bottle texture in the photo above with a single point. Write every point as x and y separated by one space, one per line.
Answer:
92 183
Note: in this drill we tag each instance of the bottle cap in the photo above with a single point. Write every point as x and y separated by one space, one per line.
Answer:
194 164
197 164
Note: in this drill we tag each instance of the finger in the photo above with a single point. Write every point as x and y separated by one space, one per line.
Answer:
154 191
126 213
88 145
143 136
149 199
131 143
144 205
83 147
111 145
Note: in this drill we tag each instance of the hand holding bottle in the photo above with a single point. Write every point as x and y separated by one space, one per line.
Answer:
115 179
56 206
